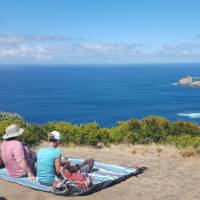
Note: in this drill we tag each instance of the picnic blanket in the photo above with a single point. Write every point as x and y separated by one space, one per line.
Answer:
103 175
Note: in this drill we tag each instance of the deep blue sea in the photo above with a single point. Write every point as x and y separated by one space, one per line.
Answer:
102 93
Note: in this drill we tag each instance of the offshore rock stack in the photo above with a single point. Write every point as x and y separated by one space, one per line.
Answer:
189 81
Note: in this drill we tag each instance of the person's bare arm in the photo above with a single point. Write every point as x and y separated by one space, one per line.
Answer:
23 164
58 164
18 152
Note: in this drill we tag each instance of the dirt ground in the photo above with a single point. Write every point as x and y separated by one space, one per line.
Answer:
172 174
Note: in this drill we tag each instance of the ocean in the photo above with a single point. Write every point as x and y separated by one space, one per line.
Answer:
102 93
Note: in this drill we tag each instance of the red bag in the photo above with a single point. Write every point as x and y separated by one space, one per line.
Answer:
81 181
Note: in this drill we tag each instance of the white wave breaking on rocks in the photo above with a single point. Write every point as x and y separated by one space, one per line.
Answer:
175 83
190 115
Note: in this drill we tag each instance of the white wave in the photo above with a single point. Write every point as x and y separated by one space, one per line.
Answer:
195 77
190 115
175 83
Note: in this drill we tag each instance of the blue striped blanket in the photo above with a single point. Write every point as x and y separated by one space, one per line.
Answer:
103 176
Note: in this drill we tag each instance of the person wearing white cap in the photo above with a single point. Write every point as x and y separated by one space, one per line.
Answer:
14 154
49 160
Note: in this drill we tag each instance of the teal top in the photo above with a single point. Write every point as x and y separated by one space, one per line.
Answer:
46 170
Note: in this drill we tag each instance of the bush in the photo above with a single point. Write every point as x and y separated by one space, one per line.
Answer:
32 135
121 133
89 134
92 134
12 117
6 119
152 129
155 129
184 141
69 131
185 128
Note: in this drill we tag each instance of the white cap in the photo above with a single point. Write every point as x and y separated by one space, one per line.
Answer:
55 135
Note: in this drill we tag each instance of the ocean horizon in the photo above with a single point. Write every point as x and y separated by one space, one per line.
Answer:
105 93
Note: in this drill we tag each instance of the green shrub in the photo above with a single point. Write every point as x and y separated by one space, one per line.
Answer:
155 129
92 134
182 128
151 129
69 132
12 117
33 134
6 119
184 141
121 133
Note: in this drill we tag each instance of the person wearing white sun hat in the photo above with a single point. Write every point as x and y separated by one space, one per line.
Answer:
14 154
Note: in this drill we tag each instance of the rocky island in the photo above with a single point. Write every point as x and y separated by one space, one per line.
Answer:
189 81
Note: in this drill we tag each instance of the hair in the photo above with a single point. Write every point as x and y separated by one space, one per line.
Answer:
13 138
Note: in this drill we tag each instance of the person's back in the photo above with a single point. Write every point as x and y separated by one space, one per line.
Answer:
46 170
12 154
1 160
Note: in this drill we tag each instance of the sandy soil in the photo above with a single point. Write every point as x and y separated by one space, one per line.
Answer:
171 174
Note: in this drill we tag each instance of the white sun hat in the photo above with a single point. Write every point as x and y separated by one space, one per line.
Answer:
13 131
55 135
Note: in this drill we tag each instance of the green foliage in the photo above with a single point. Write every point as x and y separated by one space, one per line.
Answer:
12 117
152 129
92 134
184 128
121 133
89 134
184 141
68 130
155 129
33 134
6 119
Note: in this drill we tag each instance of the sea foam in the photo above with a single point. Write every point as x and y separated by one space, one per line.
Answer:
190 115
175 83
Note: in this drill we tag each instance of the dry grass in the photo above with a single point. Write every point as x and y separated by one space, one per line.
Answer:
172 174
188 153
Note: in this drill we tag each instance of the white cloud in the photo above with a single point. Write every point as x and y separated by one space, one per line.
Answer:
16 39
180 49
23 51
54 49
43 48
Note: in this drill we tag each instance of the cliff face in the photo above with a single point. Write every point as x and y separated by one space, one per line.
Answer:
188 81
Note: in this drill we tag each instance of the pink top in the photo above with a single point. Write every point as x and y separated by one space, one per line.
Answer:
12 152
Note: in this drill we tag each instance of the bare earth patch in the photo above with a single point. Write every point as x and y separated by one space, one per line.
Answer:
171 175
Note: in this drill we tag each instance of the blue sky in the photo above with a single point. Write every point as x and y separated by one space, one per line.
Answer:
99 31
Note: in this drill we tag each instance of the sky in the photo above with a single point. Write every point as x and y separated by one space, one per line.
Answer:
99 31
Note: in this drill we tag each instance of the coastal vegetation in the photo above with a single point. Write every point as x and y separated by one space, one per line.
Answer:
151 129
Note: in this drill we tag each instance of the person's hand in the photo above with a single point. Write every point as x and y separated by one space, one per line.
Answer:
31 176
66 164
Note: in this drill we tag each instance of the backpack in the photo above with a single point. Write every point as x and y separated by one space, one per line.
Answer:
79 180
72 183
1 160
